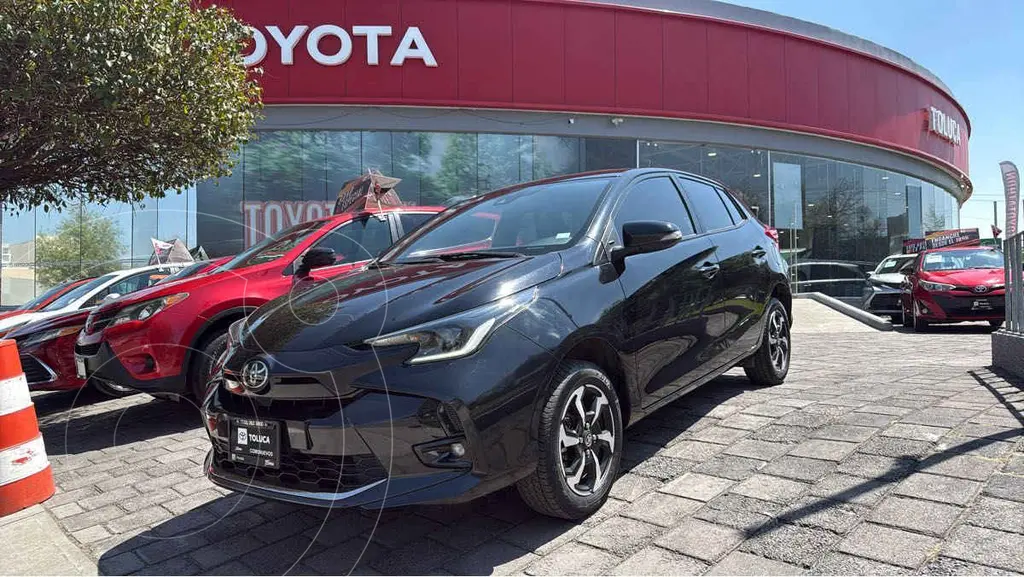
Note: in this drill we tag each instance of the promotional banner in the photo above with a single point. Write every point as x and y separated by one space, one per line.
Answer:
942 239
1011 184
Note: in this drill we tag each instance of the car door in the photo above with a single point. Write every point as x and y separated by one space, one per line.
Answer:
735 308
665 292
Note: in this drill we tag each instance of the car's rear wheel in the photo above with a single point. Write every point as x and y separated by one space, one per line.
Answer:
580 443
111 389
897 319
770 364
202 365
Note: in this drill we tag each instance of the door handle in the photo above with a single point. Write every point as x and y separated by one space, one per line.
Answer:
709 270
758 252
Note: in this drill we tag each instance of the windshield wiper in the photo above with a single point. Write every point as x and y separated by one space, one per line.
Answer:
479 254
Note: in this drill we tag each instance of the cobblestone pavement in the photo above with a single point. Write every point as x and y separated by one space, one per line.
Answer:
884 453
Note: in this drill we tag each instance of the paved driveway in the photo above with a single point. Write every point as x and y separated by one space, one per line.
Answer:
884 453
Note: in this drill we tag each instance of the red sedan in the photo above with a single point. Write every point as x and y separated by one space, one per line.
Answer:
952 285
47 350
44 299
164 339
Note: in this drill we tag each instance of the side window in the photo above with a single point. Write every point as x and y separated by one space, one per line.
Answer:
127 285
730 205
654 199
360 239
711 210
411 220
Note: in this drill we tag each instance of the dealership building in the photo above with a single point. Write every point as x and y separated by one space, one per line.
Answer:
847 147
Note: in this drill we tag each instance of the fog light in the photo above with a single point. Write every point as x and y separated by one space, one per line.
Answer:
458 450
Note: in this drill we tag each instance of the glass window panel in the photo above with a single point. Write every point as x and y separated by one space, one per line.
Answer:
144 227
223 224
602 153
678 156
409 164
555 155
376 152
358 240
498 161
17 267
743 171
342 159
173 217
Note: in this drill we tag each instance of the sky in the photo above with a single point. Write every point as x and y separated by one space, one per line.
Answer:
974 46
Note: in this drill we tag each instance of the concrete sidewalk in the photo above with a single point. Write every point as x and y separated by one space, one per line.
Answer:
33 544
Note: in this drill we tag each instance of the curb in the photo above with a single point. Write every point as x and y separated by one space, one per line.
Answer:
851 311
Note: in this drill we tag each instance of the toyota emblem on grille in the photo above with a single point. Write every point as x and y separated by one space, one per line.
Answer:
981 289
255 375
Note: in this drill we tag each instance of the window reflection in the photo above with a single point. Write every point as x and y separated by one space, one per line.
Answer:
825 210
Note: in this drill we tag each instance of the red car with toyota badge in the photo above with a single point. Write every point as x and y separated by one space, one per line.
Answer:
952 285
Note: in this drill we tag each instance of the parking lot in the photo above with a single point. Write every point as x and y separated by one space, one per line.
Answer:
884 453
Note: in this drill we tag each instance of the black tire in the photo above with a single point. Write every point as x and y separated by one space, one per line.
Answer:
896 319
995 324
110 391
764 368
202 364
547 490
908 320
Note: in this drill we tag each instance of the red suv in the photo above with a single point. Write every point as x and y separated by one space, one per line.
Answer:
951 285
165 339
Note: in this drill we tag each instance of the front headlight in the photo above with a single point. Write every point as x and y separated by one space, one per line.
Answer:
49 335
146 309
936 286
458 335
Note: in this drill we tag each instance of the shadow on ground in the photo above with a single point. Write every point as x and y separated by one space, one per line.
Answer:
241 534
74 422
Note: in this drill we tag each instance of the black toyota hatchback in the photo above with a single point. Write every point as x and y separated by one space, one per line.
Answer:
508 340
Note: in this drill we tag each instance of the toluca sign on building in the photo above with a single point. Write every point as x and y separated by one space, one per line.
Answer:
943 125
412 46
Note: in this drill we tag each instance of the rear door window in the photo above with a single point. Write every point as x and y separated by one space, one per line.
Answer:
708 204
361 239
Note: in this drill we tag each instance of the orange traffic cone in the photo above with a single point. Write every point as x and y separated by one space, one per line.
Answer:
25 474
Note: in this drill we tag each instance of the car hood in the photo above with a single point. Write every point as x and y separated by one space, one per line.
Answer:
58 321
352 308
968 277
888 278
6 324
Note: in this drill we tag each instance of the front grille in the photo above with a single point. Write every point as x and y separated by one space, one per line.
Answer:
35 371
305 472
962 306
87 350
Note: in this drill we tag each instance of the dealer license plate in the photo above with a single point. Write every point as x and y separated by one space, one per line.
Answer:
80 367
981 305
255 442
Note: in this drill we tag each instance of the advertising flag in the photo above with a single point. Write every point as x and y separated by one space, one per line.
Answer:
1011 184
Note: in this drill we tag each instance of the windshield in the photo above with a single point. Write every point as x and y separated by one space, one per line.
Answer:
274 247
531 220
893 264
34 303
963 259
78 292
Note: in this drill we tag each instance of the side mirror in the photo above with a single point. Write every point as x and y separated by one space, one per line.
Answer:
110 296
315 257
907 269
643 236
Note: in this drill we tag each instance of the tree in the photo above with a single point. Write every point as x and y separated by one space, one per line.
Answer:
85 245
113 100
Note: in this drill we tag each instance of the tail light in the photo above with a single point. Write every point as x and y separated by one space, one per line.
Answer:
772 233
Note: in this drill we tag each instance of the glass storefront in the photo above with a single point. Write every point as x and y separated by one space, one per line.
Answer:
824 209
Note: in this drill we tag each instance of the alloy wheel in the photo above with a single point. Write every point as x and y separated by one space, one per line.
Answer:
586 440
778 340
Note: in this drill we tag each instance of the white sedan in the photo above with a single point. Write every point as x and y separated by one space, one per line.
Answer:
92 293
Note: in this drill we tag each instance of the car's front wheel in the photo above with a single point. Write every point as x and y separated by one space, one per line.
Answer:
770 363
580 444
111 389
920 325
202 365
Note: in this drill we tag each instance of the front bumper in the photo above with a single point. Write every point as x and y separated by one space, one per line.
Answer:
355 433
884 300
102 364
960 306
